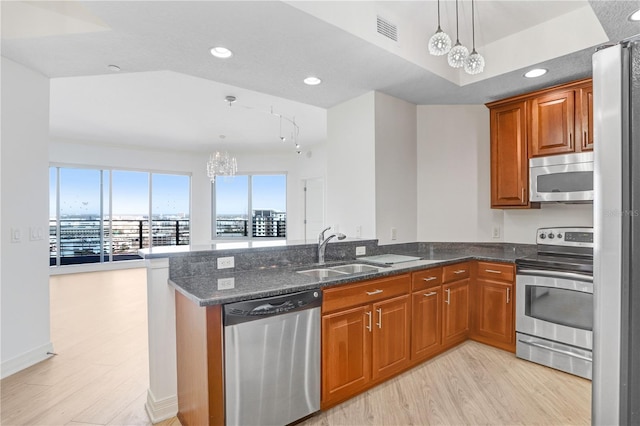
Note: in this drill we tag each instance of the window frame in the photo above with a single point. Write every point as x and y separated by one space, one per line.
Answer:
250 175
109 258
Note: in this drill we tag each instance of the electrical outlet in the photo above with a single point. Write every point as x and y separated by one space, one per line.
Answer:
36 233
496 232
361 251
358 231
226 283
226 262
394 233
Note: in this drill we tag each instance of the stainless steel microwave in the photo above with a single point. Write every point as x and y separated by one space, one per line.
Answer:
561 178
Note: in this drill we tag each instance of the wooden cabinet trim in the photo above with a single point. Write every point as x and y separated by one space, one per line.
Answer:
529 95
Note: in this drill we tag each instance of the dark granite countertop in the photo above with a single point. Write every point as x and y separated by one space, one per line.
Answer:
207 286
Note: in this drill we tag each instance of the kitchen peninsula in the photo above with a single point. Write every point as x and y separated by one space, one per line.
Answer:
190 278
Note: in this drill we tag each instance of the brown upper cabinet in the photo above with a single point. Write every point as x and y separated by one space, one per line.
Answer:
557 120
509 163
562 121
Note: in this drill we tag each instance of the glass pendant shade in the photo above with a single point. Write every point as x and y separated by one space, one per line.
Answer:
457 55
221 164
439 43
474 64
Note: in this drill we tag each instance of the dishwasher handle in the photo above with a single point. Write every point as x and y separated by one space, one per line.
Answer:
252 310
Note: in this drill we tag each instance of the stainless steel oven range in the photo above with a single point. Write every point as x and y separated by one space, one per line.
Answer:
554 301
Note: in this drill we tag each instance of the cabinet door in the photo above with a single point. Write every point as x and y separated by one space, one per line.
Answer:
584 115
509 163
552 124
495 311
455 322
426 323
391 327
346 342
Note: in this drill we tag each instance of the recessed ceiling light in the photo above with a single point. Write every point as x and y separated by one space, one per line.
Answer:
312 81
221 52
635 16
113 68
536 72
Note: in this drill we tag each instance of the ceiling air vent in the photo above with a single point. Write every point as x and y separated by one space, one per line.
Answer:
387 29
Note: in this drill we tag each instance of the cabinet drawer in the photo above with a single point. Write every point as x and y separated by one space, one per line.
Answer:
456 272
496 271
425 279
364 292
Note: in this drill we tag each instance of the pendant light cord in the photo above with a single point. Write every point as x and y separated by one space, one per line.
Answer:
438 14
473 25
457 35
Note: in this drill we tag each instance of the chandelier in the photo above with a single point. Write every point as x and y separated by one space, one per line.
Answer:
221 164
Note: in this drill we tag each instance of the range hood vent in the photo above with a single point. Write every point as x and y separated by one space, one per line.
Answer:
387 29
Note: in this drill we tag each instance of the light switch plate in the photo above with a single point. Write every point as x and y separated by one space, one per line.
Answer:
16 235
394 233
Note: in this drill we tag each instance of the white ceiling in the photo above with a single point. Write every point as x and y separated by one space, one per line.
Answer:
169 93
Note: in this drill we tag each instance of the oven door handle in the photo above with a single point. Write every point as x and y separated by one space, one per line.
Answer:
560 351
556 274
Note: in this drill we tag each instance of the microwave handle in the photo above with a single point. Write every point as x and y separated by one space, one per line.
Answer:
556 274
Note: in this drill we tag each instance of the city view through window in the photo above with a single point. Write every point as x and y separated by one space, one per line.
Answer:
265 196
108 215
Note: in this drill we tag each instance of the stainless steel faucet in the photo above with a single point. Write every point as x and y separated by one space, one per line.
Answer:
322 243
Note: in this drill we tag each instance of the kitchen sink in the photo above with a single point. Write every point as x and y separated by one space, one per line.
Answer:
322 273
336 271
356 268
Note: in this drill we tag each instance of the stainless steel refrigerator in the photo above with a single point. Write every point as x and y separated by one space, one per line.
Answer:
616 331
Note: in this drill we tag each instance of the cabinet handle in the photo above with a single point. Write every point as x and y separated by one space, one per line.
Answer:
430 279
379 323
369 315
508 295
571 139
448 291
493 271
460 271
522 197
585 141
433 293
371 293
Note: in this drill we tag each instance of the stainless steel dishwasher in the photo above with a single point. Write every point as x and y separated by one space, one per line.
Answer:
272 359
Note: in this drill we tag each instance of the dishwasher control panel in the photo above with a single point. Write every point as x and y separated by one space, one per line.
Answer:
251 310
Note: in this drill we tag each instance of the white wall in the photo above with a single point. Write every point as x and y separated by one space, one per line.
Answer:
520 225
453 174
351 174
396 178
24 280
454 183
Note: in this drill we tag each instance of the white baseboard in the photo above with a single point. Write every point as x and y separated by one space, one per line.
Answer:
161 410
27 359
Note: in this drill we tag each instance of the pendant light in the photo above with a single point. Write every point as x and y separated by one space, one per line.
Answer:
440 42
458 53
474 64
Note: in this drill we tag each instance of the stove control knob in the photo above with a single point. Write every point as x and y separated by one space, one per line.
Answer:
542 236
551 236
559 235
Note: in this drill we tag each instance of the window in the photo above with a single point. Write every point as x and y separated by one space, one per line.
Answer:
99 215
265 196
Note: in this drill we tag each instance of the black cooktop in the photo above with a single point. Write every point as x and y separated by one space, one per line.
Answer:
557 262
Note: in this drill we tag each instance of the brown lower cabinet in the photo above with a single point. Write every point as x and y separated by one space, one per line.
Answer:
364 344
494 306
371 330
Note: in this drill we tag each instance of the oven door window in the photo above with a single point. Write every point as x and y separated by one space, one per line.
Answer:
560 306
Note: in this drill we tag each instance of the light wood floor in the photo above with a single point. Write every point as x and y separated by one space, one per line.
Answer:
100 375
